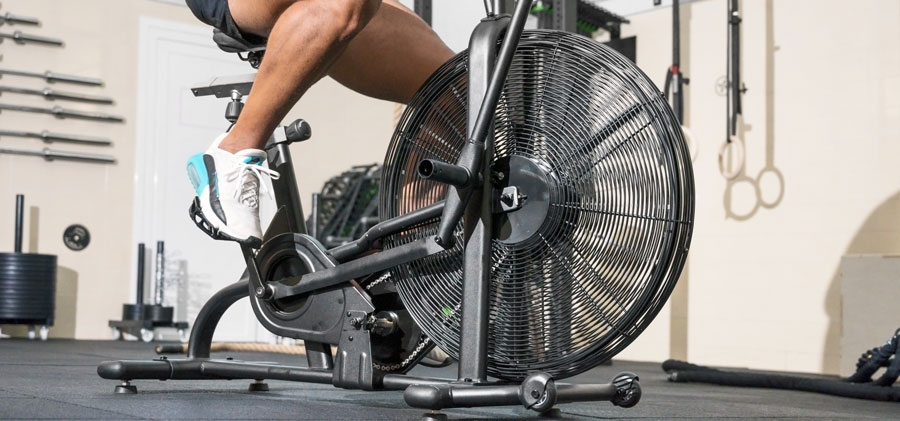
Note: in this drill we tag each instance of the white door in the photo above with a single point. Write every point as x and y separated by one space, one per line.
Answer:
173 125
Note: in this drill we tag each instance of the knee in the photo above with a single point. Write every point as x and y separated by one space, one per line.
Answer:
348 17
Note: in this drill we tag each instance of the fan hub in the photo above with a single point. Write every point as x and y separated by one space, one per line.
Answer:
533 184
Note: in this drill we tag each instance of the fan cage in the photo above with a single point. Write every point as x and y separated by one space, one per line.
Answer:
615 237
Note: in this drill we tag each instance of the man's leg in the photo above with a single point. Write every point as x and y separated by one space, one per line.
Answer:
385 52
307 39
392 57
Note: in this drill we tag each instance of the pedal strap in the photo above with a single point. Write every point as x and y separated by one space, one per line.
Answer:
196 213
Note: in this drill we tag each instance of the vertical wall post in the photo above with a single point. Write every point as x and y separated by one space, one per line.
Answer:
423 9
565 15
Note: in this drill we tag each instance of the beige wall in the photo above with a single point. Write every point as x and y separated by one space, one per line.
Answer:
824 99
102 41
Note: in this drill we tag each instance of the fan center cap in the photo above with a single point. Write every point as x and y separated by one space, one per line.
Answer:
533 186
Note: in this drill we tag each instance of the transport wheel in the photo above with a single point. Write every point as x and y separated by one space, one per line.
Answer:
146 335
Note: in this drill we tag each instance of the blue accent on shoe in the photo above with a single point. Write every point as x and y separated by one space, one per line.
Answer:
196 170
253 160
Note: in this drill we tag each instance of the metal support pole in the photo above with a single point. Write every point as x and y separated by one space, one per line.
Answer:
285 187
20 214
208 318
139 298
159 287
565 15
423 9
477 221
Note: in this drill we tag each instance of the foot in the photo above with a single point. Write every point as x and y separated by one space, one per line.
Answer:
227 186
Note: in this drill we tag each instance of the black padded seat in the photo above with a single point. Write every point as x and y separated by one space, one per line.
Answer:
234 45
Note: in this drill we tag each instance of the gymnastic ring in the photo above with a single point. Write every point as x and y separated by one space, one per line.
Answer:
729 201
733 142
780 177
692 146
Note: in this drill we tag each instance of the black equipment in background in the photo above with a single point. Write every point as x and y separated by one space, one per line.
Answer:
76 237
675 80
347 206
682 372
27 284
887 355
585 18
141 320
736 88
731 154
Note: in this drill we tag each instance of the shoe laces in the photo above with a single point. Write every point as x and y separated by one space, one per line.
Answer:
249 177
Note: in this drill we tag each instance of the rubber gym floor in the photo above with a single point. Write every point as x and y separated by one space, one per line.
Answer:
57 379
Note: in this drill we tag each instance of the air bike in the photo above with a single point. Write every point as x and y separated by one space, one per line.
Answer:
536 205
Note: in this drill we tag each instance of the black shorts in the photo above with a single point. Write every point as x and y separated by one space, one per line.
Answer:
217 14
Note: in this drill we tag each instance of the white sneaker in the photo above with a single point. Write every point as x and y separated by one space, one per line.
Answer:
227 186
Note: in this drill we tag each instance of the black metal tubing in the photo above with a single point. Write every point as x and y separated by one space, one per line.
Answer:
353 269
141 257
584 392
440 396
472 154
734 67
385 228
403 381
209 316
477 227
423 9
285 188
231 369
206 369
678 78
432 169
20 214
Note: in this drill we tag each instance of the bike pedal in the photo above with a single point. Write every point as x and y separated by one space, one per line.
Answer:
196 213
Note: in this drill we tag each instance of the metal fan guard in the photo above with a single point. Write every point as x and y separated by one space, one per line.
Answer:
619 206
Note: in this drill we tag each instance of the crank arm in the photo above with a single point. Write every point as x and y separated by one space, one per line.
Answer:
353 269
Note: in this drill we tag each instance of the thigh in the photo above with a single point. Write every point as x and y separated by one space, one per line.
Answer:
257 16
392 57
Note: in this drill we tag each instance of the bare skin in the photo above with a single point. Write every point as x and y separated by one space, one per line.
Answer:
376 47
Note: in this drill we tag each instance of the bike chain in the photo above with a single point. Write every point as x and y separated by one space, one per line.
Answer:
423 342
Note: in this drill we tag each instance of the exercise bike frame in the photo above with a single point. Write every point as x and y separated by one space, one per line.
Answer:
470 197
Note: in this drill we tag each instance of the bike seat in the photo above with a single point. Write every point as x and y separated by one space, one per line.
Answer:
234 45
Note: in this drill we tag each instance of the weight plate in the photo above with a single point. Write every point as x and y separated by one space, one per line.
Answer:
76 237
132 312
158 313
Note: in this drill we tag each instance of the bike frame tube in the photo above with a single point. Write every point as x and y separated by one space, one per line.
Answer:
472 154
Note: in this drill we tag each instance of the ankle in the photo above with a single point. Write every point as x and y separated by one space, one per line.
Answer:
235 142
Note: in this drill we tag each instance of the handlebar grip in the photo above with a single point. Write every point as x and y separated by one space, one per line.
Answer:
298 131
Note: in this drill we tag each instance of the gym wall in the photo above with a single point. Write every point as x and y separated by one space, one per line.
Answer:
762 287
102 40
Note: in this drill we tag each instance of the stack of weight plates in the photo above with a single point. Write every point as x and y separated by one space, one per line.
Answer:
27 288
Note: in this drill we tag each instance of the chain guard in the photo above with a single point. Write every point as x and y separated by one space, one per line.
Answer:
318 316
